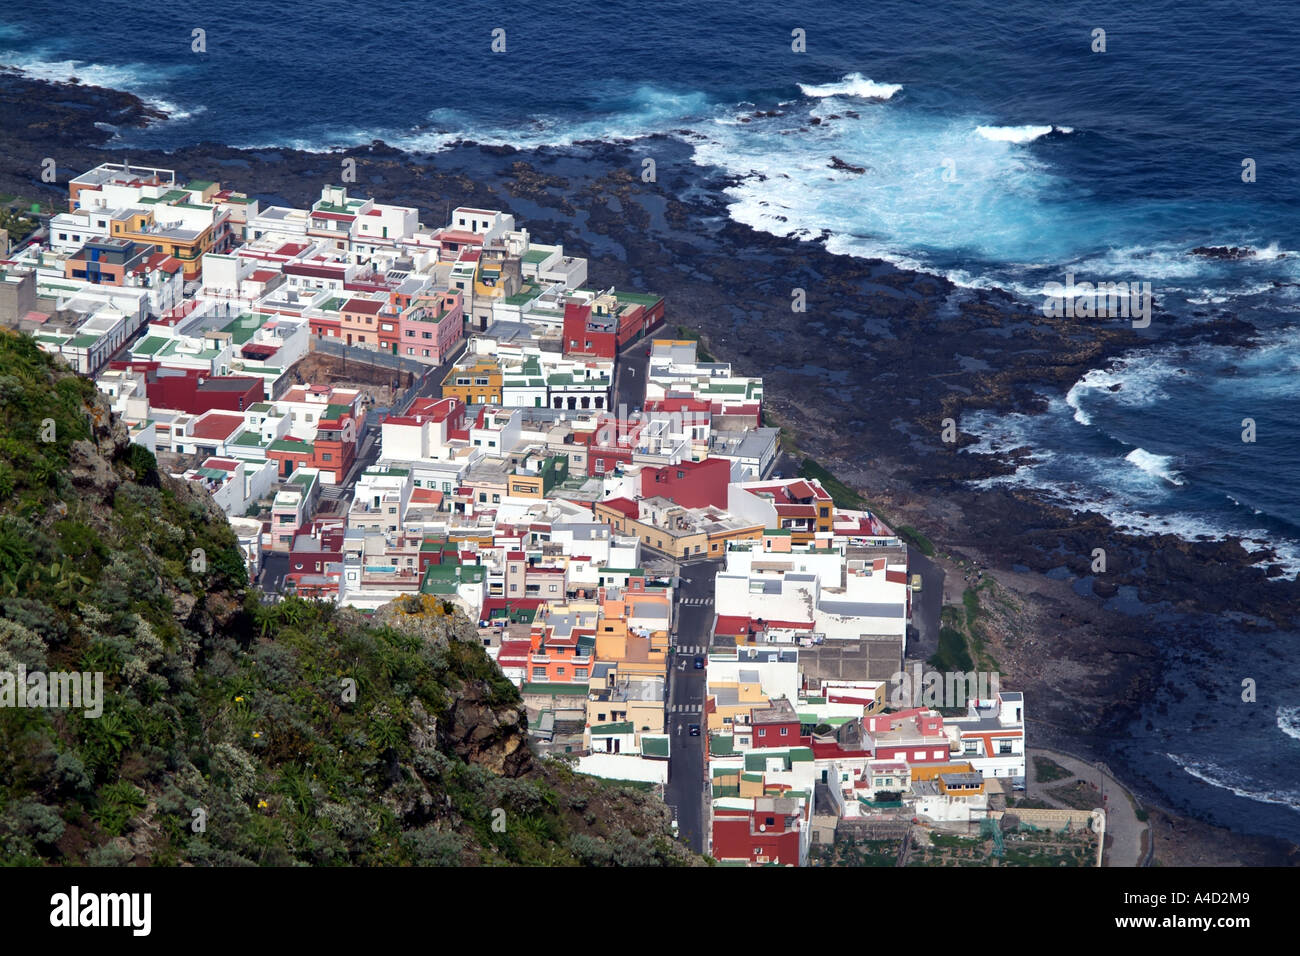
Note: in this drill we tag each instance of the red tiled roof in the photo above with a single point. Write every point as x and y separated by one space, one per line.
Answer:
625 506
369 306
216 425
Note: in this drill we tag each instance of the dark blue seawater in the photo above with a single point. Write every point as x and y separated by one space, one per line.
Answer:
1000 151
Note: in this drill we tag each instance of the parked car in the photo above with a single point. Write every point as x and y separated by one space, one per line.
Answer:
694 730
699 662
916 582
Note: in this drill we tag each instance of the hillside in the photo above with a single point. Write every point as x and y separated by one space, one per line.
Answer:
227 736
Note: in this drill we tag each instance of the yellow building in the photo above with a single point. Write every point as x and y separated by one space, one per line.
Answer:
478 383
732 700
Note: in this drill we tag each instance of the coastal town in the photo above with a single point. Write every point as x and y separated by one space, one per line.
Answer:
458 413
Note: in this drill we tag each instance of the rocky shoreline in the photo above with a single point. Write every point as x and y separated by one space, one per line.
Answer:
864 378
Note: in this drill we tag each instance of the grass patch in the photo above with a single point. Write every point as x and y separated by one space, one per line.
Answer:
916 538
786 437
685 332
952 654
1026 803
1047 770
841 494
1080 795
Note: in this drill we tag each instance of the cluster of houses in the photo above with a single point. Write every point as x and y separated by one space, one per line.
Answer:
525 492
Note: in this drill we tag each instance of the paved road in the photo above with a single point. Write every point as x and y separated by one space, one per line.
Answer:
1123 829
431 384
693 614
927 606
629 377
275 565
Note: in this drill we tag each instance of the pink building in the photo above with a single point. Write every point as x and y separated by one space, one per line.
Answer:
430 327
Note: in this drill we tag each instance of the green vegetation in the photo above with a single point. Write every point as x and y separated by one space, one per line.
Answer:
952 654
1046 770
686 332
233 731
962 634
1024 846
1079 795
786 435
922 543
1025 803
841 494
19 225
850 851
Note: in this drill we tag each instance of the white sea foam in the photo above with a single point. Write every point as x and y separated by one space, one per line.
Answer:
1288 721
851 84
1018 134
133 78
1236 782
1158 466
1083 482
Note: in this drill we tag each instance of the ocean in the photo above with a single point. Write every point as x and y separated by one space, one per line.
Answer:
995 144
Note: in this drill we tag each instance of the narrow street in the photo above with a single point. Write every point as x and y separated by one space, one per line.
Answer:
693 615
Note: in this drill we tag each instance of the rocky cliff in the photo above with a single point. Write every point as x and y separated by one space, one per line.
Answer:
234 731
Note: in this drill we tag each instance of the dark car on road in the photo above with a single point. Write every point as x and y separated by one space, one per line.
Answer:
694 730
699 662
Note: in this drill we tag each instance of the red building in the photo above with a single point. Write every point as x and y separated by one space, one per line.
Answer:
609 322
193 393
769 833
692 484
776 725
310 553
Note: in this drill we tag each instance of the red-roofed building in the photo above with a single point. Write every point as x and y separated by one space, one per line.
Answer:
361 319
692 484
800 505
604 325
190 390
774 831
207 434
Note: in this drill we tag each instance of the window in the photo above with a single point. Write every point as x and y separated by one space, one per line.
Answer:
785 731
539 673
327 456
559 670
762 732
600 716
553 589
1004 746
